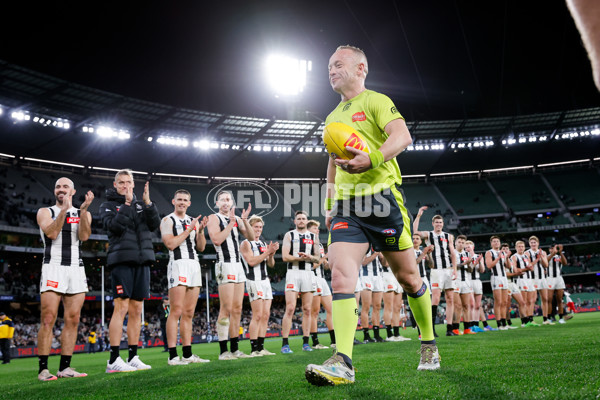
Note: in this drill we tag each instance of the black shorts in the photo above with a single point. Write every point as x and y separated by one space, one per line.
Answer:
380 219
130 281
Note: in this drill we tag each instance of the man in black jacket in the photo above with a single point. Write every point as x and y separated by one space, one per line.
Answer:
129 224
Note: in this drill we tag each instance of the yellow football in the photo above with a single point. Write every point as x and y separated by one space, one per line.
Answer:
337 136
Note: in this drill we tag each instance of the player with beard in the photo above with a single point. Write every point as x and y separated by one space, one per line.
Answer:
224 229
62 228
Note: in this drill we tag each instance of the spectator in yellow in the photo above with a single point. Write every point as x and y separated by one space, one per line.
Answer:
7 330
92 341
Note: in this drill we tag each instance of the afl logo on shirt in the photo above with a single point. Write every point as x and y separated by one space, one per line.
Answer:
73 220
389 232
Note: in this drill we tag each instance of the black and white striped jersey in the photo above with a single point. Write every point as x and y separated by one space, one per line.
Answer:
441 250
259 271
229 250
186 250
499 268
64 250
301 243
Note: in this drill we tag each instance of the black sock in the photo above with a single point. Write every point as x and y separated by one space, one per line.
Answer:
187 351
347 359
376 331
332 336
388 329
43 362
285 342
304 340
503 321
65 362
485 324
315 338
234 344
561 316
433 314
261 343
172 353
509 321
223 346
114 354
366 335
523 320
397 330
132 352
545 318
448 327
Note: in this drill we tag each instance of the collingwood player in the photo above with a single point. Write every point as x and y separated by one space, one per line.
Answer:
478 268
322 296
522 261
182 235
257 256
62 228
464 287
443 274
301 251
498 261
224 229
514 292
371 295
556 283
540 263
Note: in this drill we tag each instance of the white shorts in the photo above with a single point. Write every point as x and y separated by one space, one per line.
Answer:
300 281
464 287
63 279
390 283
477 286
259 290
513 288
373 283
442 279
539 284
499 283
184 273
322 287
358 287
556 283
525 285
230 273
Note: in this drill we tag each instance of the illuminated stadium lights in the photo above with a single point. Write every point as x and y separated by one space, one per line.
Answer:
88 129
171 141
257 148
202 144
287 75
266 148
57 123
107 132
20 116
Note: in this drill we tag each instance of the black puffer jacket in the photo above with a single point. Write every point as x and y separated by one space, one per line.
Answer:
129 228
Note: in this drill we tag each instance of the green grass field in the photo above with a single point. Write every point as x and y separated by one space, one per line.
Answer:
548 362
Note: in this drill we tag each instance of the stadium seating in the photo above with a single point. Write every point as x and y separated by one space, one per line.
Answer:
470 197
524 193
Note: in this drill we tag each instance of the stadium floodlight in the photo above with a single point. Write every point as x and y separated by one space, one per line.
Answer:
287 75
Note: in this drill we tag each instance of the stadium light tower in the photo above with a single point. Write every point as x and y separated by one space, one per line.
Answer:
287 75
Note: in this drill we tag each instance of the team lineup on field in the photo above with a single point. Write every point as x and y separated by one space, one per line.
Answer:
375 253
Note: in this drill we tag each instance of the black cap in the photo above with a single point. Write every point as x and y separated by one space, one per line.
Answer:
2 313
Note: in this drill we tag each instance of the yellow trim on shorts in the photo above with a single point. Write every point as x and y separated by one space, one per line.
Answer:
405 240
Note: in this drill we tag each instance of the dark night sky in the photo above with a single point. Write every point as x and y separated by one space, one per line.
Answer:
443 59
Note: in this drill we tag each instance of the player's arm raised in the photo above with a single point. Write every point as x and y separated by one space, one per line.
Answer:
200 237
85 221
417 221
245 227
